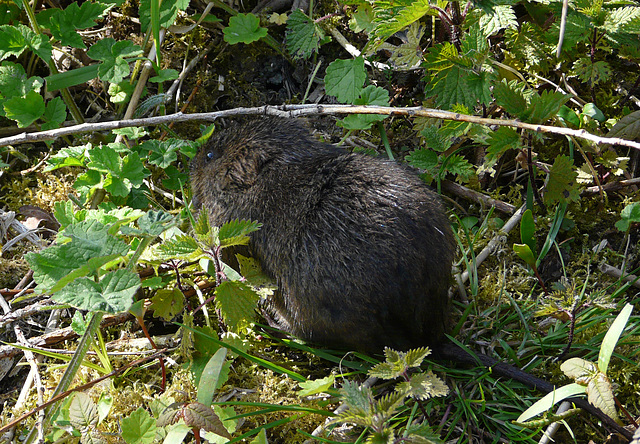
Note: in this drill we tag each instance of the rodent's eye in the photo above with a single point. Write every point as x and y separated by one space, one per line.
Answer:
211 155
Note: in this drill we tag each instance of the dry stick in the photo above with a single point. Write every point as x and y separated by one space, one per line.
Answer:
467 193
617 273
292 111
81 388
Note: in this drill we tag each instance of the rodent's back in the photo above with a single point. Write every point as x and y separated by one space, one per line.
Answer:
360 247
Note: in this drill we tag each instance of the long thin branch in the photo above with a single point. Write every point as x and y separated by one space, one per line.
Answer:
306 110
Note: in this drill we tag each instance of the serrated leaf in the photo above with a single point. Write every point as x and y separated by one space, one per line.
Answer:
391 17
459 166
243 28
15 83
89 239
358 398
423 158
182 246
237 302
423 386
303 35
25 110
501 17
236 232
502 140
344 79
579 369
55 114
592 72
12 42
414 357
112 294
250 269
408 54
151 223
510 96
562 185
139 428
546 106
167 304
600 394
114 67
168 12
83 412
313 387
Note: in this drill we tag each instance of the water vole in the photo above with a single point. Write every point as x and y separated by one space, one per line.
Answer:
360 247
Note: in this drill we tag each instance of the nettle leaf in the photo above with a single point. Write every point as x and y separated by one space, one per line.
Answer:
500 17
625 19
236 232
243 28
181 246
425 159
510 96
371 95
169 10
237 302
344 79
114 68
450 74
546 105
577 30
55 114
592 73
459 166
435 140
562 185
303 35
25 110
391 17
424 386
357 398
502 140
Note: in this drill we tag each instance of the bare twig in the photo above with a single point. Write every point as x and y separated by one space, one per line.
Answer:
467 193
292 111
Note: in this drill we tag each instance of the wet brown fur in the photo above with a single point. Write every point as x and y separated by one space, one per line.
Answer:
360 247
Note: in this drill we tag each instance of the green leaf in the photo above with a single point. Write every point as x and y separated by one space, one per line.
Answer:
459 166
546 106
569 116
423 386
63 24
524 252
139 428
528 230
162 153
83 412
236 232
14 82
511 97
169 10
590 72
500 141
243 28
391 17
12 42
55 114
501 17
550 399
175 178
209 377
71 78
120 92
630 214
152 223
112 294
562 185
237 302
25 110
371 95
168 303
315 386
424 159
408 54
344 79
114 67
165 75
600 394
261 437
450 77
303 35
435 139
611 338
594 112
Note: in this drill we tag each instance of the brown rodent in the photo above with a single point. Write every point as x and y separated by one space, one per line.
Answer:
360 247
